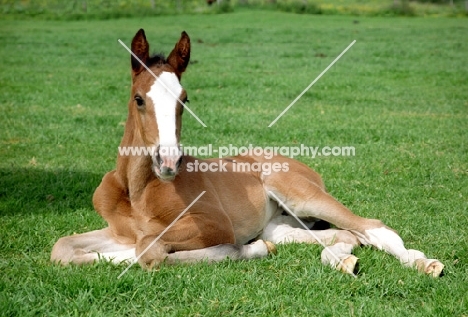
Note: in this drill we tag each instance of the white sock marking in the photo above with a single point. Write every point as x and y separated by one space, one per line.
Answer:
117 257
390 242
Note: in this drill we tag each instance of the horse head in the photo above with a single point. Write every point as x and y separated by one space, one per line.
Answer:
156 103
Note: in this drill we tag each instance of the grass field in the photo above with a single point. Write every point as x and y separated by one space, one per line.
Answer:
104 9
399 96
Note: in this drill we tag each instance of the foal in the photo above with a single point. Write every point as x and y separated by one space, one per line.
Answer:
146 193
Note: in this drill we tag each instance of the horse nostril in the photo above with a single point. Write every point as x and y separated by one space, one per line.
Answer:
158 160
166 170
157 157
179 161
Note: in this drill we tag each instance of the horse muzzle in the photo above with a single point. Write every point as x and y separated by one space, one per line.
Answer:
166 162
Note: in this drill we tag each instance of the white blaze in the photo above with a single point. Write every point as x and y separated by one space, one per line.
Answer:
164 93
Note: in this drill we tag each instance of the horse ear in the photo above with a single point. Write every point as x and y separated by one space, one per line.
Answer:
140 47
180 55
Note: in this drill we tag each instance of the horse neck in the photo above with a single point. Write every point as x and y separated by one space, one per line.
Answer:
134 171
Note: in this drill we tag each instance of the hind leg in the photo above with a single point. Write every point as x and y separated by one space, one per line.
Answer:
386 239
338 244
305 197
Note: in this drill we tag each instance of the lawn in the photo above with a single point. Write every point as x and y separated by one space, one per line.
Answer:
399 96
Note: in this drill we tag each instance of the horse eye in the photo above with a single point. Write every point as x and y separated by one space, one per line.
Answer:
185 101
140 102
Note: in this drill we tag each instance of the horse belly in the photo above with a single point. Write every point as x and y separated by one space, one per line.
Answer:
249 212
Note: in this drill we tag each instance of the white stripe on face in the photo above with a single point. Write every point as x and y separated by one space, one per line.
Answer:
165 104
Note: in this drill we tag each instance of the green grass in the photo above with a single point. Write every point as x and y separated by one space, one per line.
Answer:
368 7
399 96
105 9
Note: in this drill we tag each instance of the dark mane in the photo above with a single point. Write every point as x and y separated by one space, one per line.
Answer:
156 59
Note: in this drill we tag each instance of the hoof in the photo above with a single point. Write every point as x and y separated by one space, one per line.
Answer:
271 247
348 264
430 267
